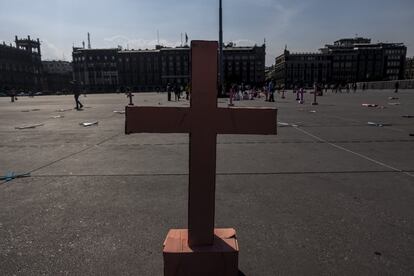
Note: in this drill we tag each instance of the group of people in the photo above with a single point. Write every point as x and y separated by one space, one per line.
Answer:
238 92
178 90
243 92
338 87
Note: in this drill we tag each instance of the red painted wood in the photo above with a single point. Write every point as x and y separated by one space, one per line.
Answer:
203 121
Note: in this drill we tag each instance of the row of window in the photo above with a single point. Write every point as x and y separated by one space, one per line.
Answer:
11 78
308 58
393 71
17 68
394 52
342 65
393 63
56 64
91 58
394 57
306 65
306 72
239 57
170 58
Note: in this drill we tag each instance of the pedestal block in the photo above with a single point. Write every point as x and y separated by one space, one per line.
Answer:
219 259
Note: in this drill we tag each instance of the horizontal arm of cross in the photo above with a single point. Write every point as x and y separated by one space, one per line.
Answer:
157 120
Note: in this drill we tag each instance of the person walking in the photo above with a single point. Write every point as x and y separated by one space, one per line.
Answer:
187 91
12 94
301 92
397 85
296 91
271 91
76 94
233 90
266 92
169 92
79 105
177 93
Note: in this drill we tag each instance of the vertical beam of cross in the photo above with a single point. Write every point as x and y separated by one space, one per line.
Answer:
203 137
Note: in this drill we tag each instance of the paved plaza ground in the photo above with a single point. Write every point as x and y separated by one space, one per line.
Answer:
329 195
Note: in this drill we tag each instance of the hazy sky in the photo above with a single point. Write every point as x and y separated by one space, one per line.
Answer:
303 25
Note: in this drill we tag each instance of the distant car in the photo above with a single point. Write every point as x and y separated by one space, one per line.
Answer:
38 93
3 94
21 94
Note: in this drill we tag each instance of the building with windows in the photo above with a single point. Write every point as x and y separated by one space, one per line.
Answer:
100 70
139 70
152 70
346 61
96 69
21 66
175 65
244 64
409 68
302 69
57 76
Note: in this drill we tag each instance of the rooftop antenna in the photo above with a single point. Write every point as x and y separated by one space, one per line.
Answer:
89 41
181 39
83 44
158 37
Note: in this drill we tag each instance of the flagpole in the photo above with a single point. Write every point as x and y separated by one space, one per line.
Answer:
221 76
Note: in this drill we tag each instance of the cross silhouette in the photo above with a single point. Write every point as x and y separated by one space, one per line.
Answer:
130 97
203 121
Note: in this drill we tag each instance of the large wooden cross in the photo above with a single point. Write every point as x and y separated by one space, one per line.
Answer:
203 121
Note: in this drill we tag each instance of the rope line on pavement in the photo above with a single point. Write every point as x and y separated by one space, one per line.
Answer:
221 173
354 153
233 143
69 155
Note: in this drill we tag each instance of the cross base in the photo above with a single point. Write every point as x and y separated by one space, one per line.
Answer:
221 258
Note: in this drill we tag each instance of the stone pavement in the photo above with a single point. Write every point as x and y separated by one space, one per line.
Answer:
331 195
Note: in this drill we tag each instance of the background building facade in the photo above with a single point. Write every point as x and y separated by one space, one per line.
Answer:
106 70
175 66
95 69
152 70
57 76
346 61
244 65
303 69
409 68
21 66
